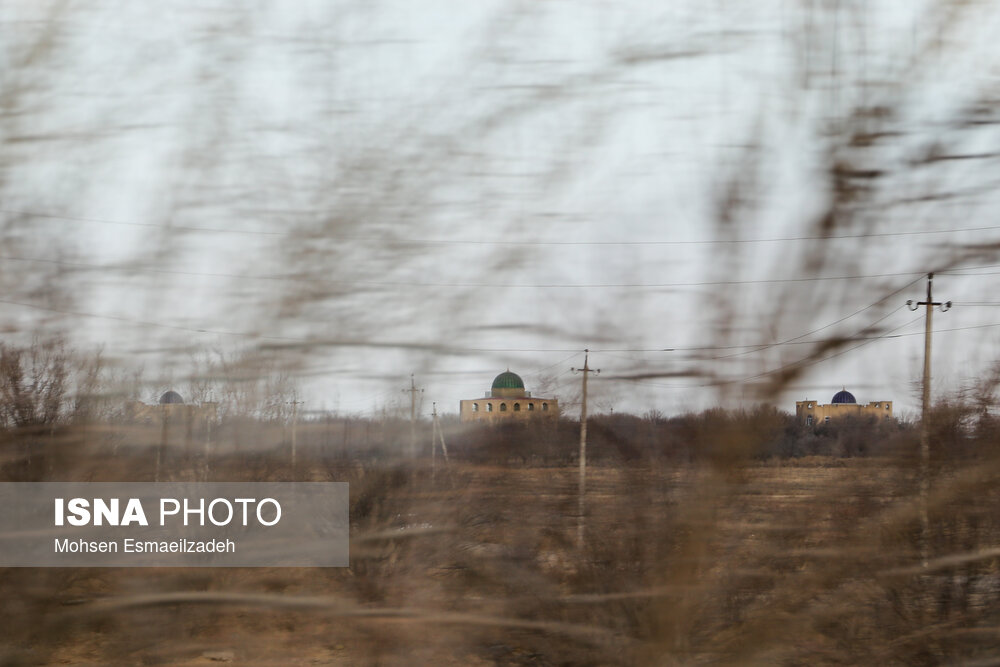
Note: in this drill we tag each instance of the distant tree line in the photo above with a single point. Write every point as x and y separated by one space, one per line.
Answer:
714 435
957 430
46 384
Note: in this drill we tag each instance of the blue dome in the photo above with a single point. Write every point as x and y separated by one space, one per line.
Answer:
843 396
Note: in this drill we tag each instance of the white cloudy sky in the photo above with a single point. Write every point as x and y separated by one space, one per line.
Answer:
371 189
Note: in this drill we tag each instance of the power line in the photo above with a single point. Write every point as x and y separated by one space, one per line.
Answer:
397 284
969 328
147 323
150 269
814 331
951 272
451 349
811 362
558 363
863 340
829 340
426 241
165 228
790 341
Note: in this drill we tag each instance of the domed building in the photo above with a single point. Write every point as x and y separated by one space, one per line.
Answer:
171 408
171 398
507 399
842 404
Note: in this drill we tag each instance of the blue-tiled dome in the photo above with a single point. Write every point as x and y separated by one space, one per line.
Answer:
843 396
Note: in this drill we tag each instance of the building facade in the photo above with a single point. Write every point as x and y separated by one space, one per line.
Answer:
507 399
842 405
170 407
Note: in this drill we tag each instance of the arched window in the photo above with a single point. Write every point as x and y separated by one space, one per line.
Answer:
517 407
809 420
545 406
489 407
503 407
531 407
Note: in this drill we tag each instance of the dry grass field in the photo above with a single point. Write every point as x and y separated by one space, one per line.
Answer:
781 561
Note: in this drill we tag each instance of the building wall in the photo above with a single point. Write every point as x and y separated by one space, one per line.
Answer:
183 412
824 413
497 408
509 392
175 424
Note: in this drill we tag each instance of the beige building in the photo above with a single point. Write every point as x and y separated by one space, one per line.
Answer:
842 405
179 422
507 399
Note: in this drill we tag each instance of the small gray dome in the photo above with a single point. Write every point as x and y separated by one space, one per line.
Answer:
171 397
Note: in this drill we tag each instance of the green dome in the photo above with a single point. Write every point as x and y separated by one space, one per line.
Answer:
508 380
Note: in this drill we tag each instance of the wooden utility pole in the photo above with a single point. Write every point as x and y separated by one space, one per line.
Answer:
208 436
925 406
206 467
413 415
437 435
295 422
582 491
161 450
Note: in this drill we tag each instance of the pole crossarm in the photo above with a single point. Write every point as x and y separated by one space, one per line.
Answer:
915 305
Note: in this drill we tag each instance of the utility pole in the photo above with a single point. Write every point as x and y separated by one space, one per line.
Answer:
413 415
581 502
925 406
295 421
160 451
436 434
210 413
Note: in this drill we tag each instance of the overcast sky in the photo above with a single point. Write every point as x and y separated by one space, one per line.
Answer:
371 189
